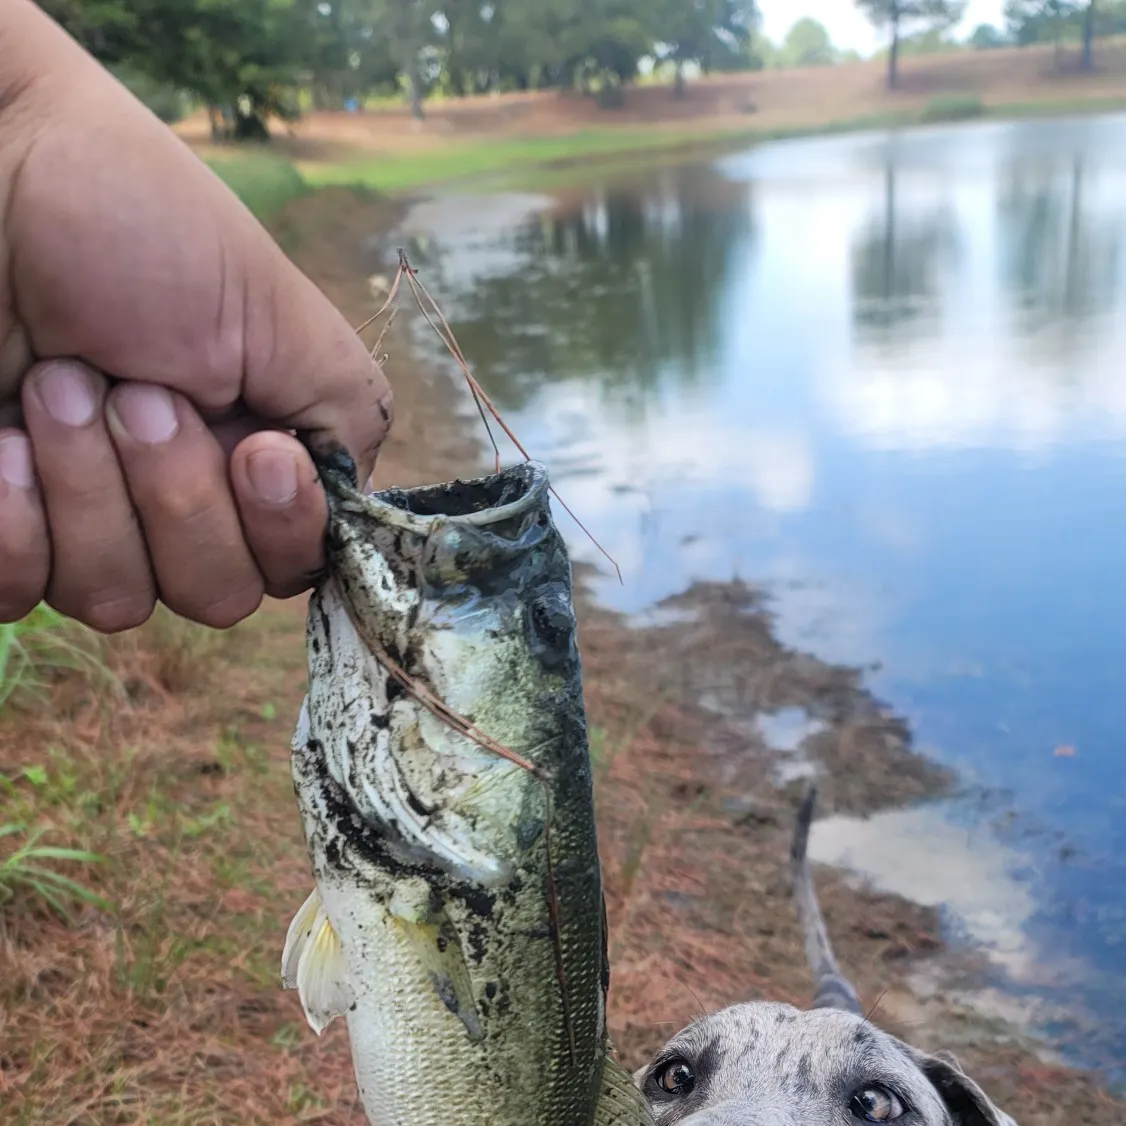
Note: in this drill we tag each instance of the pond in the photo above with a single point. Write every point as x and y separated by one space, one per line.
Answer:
884 376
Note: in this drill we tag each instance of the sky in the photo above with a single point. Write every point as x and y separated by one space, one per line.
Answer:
847 27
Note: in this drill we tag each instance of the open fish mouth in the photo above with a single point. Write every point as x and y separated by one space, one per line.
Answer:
422 624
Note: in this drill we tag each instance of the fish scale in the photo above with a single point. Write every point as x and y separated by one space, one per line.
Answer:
471 997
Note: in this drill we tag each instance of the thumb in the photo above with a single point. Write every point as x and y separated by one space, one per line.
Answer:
306 369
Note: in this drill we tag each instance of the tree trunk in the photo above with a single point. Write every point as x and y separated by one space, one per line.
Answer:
215 119
1072 295
414 92
889 234
678 81
893 50
1088 60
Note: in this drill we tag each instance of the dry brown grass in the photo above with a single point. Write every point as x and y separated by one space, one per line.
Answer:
167 1007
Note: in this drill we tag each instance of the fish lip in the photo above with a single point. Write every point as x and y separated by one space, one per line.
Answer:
476 501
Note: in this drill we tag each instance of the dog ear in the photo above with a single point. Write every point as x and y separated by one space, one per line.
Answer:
967 1103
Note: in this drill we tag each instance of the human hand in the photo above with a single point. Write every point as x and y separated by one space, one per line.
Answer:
155 344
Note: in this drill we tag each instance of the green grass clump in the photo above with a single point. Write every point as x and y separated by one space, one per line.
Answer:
39 647
953 107
24 869
263 180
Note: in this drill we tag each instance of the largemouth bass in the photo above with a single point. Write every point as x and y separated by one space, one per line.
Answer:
458 921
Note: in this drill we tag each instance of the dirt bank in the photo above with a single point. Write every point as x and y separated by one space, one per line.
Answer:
166 1007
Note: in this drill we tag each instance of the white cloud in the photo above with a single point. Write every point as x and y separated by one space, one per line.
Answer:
937 394
923 856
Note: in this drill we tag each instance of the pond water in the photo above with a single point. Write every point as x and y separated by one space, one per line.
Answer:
885 376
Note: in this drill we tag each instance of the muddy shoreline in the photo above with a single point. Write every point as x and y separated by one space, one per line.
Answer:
694 811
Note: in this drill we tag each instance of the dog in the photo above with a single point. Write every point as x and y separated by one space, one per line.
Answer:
768 1064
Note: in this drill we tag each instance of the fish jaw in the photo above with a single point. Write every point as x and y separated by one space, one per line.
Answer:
435 795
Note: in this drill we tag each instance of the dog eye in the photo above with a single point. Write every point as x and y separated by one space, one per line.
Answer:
875 1104
676 1077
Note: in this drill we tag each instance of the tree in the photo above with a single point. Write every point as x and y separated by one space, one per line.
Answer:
709 32
243 58
986 37
1049 21
1088 60
807 43
902 18
106 28
409 28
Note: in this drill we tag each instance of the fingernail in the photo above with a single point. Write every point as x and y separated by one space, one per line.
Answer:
146 411
273 474
68 395
15 462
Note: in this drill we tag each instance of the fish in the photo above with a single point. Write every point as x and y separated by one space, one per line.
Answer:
442 772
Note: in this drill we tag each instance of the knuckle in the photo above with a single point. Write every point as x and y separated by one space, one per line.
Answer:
190 509
112 612
223 612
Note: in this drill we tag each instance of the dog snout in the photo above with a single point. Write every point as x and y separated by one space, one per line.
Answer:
734 1114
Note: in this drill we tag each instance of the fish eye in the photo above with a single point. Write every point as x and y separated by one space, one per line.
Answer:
676 1077
875 1104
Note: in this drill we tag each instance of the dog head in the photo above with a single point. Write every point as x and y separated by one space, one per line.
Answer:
766 1064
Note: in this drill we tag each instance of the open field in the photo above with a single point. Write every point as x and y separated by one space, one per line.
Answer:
386 150
166 754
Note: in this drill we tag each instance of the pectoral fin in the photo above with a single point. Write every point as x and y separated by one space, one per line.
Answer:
620 1103
313 964
436 944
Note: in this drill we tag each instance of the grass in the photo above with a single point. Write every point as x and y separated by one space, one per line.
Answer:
472 159
150 855
24 869
953 107
39 648
265 181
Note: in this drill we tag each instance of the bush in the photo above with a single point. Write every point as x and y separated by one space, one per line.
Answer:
953 107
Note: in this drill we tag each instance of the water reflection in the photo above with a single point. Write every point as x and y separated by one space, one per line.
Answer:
622 289
900 258
1062 256
925 855
882 374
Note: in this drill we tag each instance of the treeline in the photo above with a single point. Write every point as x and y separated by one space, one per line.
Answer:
1056 22
926 26
248 60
